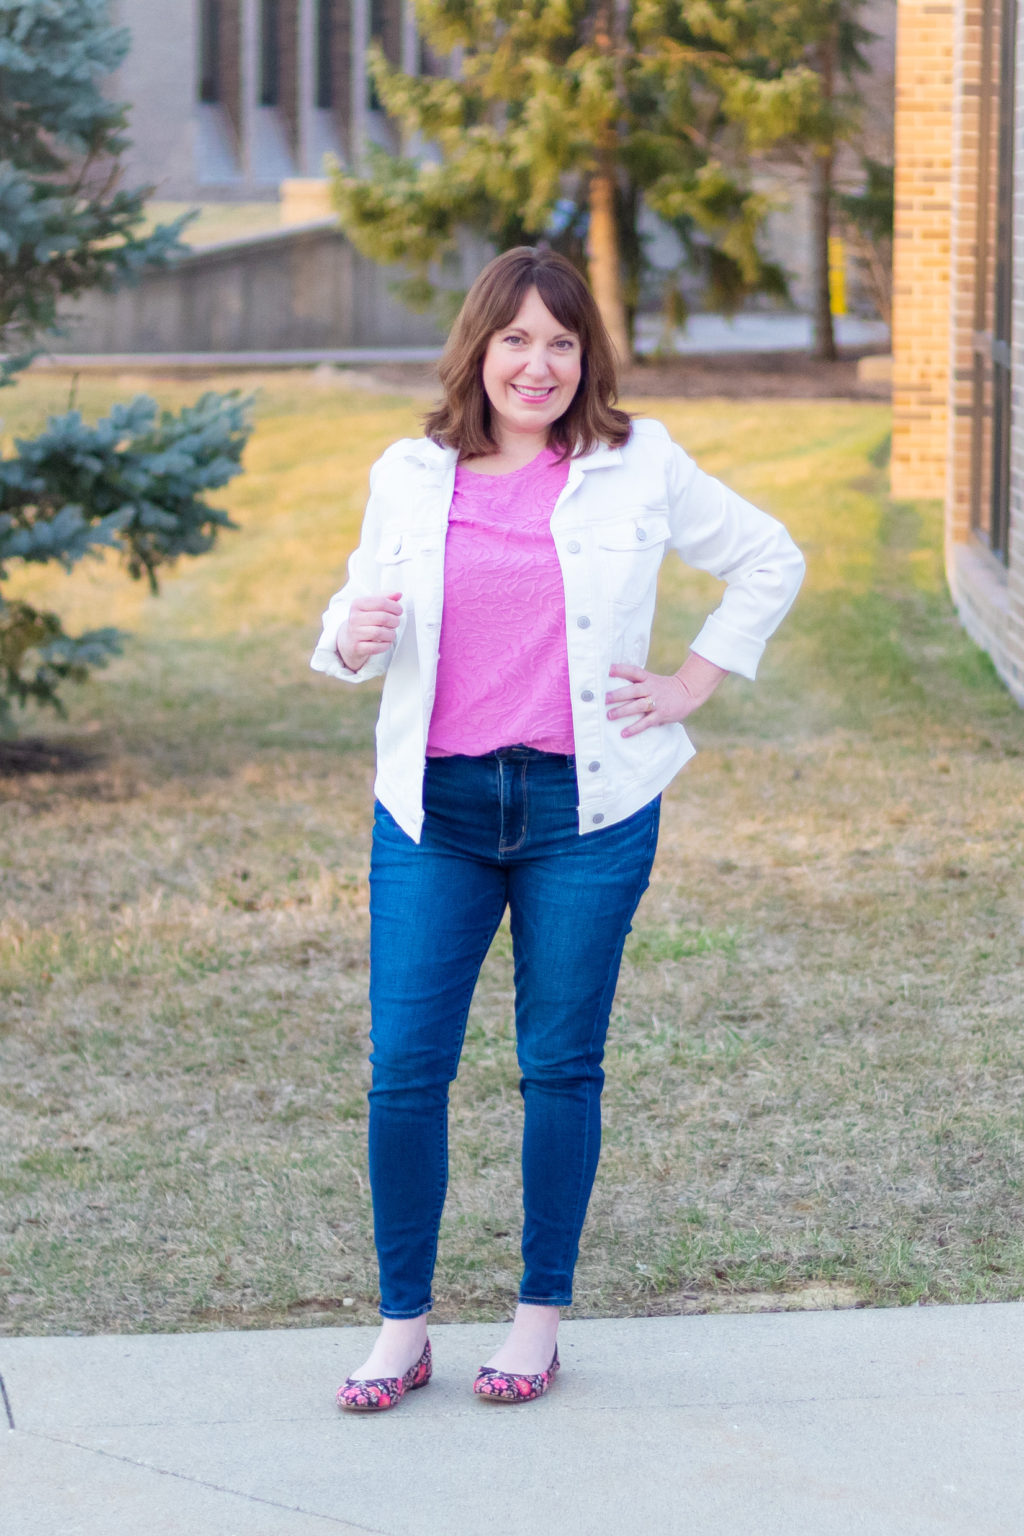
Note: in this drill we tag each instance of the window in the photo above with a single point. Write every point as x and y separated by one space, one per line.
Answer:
324 54
385 20
209 51
270 53
993 294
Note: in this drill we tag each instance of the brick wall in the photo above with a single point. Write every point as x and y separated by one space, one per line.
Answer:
922 247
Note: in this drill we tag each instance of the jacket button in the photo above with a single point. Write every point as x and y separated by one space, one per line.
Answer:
397 550
641 534
574 546
587 695
583 622
598 818
593 767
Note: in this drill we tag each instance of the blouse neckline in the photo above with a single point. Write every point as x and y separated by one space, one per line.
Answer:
547 453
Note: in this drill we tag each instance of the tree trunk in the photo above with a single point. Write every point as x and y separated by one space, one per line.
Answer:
824 345
604 263
604 258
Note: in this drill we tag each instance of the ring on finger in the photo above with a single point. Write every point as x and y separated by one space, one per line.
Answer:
648 705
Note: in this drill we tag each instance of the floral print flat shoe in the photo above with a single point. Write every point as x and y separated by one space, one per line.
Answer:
385 1391
511 1387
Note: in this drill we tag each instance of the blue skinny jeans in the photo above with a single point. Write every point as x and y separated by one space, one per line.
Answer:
500 830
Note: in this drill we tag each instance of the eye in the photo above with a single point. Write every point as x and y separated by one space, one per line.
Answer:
565 344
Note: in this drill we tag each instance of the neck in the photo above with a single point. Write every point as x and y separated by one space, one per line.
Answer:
514 449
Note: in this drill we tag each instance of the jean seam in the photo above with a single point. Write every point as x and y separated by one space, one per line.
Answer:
505 850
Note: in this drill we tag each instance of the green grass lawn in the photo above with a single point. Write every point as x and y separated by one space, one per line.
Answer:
815 1069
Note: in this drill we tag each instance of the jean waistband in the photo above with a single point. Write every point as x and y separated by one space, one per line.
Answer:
521 754
515 754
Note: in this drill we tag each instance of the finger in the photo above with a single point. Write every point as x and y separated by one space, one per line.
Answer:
626 669
643 724
368 622
378 602
634 705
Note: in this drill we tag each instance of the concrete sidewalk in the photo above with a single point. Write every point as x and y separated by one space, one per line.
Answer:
889 1423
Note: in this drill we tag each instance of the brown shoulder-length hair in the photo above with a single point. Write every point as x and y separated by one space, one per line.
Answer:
463 418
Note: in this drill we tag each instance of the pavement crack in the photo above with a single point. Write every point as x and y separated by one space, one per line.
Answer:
202 1482
7 1404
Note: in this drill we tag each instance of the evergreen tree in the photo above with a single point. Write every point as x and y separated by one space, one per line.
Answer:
563 115
829 37
139 479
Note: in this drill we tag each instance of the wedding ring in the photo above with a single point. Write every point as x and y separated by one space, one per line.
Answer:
648 705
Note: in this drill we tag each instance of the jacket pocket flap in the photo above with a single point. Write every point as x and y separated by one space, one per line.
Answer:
638 531
396 545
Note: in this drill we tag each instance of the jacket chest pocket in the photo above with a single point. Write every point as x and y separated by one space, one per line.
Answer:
629 551
403 555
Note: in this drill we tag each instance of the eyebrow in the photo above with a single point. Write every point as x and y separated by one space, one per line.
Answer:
522 331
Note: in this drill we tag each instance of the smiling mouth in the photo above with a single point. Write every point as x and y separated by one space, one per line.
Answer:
533 394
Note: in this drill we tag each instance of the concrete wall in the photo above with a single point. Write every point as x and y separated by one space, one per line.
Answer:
291 289
158 78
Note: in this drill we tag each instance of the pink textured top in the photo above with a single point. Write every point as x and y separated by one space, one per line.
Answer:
503 671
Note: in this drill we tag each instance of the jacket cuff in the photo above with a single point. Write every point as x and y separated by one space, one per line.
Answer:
329 662
728 648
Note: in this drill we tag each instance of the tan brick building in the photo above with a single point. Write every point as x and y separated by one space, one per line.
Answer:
958 310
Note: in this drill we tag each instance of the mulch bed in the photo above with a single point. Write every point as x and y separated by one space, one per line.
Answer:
37 755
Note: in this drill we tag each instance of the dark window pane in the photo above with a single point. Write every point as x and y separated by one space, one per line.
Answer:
209 51
324 61
270 53
992 382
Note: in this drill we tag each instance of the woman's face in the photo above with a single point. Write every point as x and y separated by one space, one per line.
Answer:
531 370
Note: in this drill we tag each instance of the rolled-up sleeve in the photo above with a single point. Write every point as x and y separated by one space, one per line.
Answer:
717 531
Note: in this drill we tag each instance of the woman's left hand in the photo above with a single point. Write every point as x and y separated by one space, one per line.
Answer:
650 698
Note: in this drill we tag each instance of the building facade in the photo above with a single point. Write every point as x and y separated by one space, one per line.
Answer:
958 310
228 98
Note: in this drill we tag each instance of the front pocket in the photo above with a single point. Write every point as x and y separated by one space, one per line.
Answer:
630 550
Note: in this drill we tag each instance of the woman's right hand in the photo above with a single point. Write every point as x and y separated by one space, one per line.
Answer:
370 628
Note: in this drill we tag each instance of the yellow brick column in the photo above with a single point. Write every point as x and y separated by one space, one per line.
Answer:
921 248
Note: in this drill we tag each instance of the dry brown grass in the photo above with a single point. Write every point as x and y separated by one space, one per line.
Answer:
815 1069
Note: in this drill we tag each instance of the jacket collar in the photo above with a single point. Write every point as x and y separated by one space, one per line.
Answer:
423 450
599 457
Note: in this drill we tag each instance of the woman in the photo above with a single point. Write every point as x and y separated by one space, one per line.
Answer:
505 583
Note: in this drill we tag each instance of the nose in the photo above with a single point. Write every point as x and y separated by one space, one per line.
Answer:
536 362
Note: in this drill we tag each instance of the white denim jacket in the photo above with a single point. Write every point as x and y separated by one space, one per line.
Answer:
619 512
